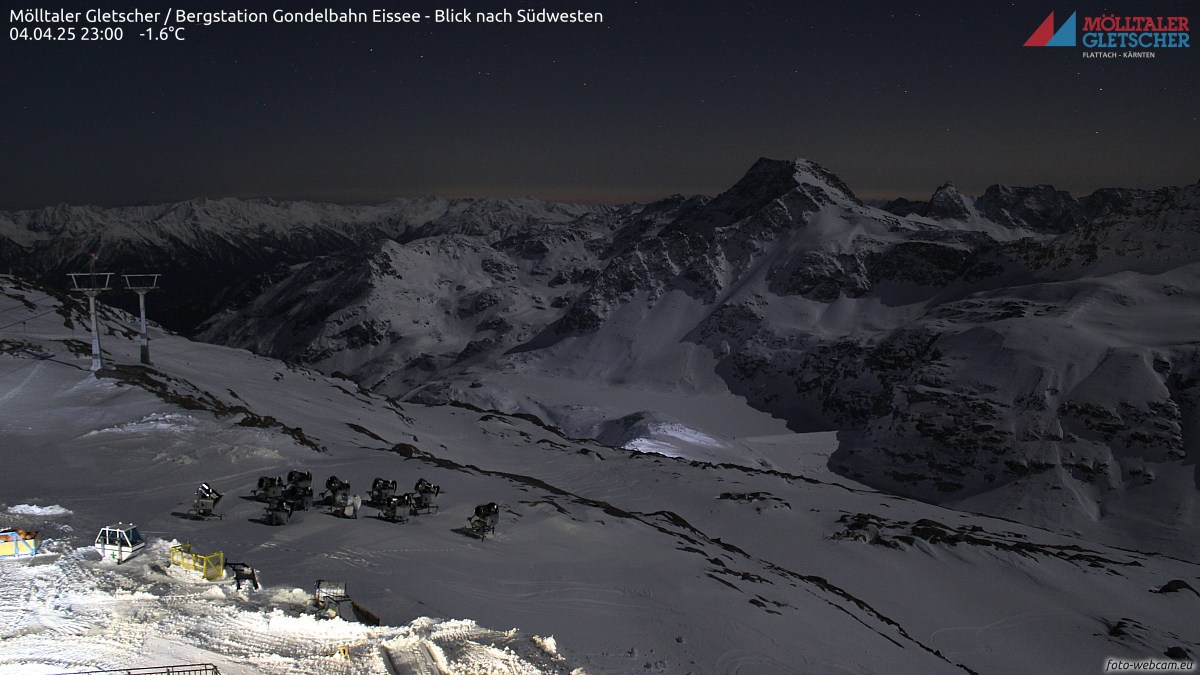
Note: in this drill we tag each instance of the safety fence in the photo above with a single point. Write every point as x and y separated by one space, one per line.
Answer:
212 566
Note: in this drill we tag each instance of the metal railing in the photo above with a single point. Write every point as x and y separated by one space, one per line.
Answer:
212 566
188 669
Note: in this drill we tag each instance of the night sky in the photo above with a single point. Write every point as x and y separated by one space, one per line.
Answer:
664 97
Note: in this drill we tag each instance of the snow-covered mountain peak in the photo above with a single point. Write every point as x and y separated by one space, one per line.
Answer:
779 192
947 203
785 175
1041 208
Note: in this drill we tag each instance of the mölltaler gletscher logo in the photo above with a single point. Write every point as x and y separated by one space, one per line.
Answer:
1114 32
1046 36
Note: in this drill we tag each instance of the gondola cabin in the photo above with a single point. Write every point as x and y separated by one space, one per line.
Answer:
119 542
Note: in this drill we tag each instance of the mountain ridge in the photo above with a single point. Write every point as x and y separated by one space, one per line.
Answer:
969 351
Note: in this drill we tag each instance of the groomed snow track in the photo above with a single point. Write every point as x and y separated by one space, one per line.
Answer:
70 613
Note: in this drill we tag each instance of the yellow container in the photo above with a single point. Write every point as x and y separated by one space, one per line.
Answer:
15 543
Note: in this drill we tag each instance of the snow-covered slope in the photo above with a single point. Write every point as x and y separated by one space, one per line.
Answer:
633 562
67 611
1025 353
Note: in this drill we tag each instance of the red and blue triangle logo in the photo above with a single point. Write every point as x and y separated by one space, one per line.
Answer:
1046 36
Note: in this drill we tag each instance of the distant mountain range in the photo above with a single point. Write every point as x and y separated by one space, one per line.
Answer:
1023 347
214 253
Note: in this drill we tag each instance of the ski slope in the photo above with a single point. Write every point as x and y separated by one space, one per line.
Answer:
633 562
68 610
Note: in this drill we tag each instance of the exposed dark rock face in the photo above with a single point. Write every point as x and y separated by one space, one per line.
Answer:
1040 208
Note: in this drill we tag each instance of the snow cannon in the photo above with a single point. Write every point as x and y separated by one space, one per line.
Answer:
119 542
485 519
204 502
301 478
334 487
346 505
298 496
207 491
397 508
298 493
381 491
328 597
244 572
278 512
426 493
269 488
19 543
